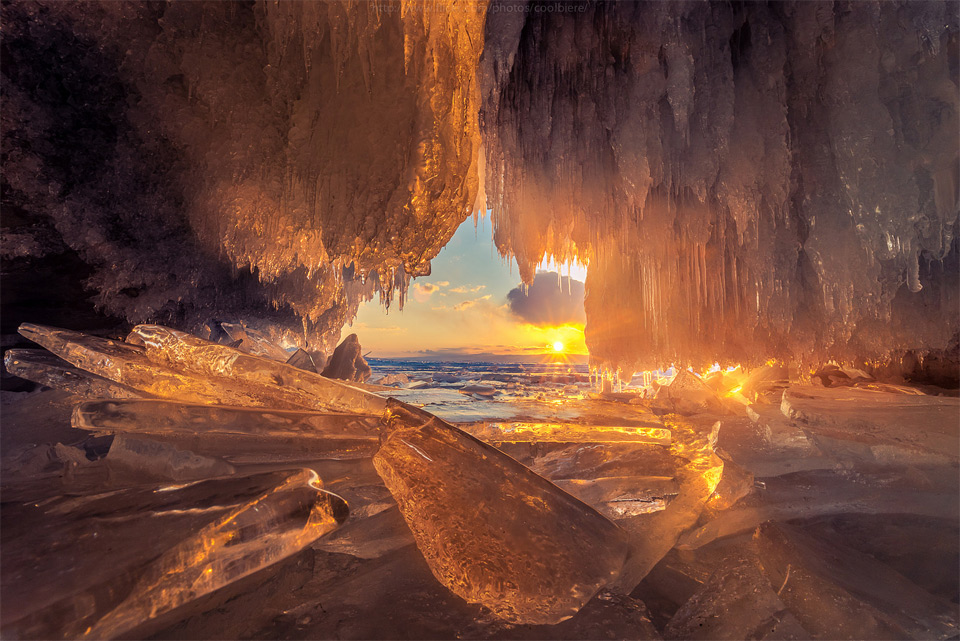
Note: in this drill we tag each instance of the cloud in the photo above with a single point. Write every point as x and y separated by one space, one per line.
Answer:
459 307
467 289
423 291
369 328
548 301
443 283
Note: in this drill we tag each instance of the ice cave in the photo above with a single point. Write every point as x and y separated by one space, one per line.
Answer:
480 319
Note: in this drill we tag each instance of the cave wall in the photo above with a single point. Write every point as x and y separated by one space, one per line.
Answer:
242 160
746 180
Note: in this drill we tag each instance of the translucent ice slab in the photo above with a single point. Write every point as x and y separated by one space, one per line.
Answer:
688 394
493 531
42 367
266 377
567 433
622 496
891 426
97 566
698 473
160 417
927 492
238 434
736 602
164 461
837 592
128 365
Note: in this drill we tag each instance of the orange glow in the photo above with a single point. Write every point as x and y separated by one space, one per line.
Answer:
557 341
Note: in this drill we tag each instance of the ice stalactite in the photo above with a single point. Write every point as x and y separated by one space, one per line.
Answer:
746 180
326 149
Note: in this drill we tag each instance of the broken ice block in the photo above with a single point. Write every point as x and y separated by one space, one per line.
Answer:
479 390
821 492
769 444
302 359
165 461
263 376
239 434
128 365
252 341
618 497
393 379
688 394
888 426
771 377
98 566
371 537
837 592
735 484
159 417
42 367
698 473
566 433
735 602
833 375
555 461
493 531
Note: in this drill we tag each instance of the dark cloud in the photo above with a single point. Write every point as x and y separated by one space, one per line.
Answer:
550 300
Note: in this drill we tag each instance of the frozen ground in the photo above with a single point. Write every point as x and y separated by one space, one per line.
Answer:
803 512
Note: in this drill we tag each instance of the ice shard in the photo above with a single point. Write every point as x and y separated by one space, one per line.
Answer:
886 424
164 461
698 473
272 379
44 368
128 365
347 362
163 417
736 602
688 394
837 592
493 531
236 433
619 497
97 566
528 432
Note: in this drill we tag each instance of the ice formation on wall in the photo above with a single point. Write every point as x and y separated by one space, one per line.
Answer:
326 148
746 180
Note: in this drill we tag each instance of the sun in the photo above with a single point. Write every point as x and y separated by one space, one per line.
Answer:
558 346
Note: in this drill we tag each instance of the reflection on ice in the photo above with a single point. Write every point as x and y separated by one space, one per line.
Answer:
128 365
162 417
567 433
543 498
44 368
265 378
97 566
491 530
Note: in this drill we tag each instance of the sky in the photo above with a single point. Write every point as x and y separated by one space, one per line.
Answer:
462 308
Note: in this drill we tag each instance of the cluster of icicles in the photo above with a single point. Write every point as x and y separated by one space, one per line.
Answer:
744 180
